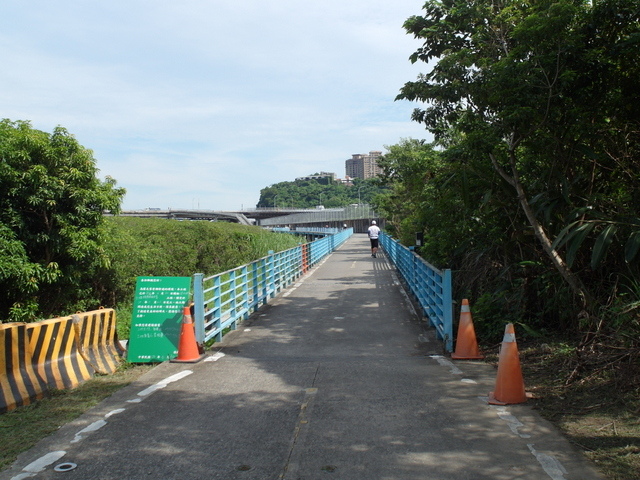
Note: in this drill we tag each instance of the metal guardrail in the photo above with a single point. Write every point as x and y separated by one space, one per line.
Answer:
328 215
222 301
305 230
431 287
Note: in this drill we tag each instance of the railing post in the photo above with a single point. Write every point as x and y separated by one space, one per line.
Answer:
412 273
245 292
447 308
255 303
198 306
217 308
233 292
271 286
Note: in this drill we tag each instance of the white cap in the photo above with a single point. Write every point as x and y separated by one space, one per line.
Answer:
373 222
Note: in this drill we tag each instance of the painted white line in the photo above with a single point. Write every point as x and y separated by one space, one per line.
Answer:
164 383
550 465
513 423
214 358
114 412
447 363
468 380
22 476
41 463
97 425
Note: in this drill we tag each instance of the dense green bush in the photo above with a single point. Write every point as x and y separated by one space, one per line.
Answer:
160 247
51 217
530 191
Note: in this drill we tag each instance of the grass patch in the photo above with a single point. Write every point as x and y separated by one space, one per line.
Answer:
593 396
23 427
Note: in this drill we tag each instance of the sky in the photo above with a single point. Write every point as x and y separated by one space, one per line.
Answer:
201 104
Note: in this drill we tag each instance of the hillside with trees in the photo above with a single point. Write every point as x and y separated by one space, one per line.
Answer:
314 192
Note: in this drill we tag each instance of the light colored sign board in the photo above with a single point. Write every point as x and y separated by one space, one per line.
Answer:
156 319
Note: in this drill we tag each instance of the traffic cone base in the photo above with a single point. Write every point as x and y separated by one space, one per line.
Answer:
188 351
466 342
509 387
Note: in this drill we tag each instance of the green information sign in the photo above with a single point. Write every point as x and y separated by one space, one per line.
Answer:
157 318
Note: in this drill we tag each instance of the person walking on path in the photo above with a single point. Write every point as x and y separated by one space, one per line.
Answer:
373 232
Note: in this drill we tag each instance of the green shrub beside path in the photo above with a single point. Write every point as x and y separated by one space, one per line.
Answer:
160 247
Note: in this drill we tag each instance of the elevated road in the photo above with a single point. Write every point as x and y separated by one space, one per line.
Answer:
210 215
356 216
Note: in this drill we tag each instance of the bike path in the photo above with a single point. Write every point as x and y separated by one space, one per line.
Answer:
338 378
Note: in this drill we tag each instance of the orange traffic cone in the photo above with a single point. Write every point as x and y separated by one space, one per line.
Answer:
509 383
466 343
188 351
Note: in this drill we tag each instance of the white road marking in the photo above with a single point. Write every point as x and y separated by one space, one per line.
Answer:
447 363
163 383
97 425
551 465
40 464
513 423
215 357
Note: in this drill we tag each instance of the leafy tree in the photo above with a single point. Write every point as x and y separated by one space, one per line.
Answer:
541 92
51 217
409 169
310 193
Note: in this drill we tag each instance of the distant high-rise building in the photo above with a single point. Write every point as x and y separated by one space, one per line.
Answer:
363 166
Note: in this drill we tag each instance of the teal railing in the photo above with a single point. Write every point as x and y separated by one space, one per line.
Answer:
431 287
223 300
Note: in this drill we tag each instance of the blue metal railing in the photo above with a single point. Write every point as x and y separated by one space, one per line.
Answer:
318 230
223 300
431 287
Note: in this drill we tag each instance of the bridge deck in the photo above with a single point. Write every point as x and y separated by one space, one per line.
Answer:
336 379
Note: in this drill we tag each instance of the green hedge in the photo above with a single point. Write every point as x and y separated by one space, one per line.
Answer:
160 247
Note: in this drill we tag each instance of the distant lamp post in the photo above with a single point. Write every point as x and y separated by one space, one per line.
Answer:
359 202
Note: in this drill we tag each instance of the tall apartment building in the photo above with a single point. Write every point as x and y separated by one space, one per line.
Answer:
363 166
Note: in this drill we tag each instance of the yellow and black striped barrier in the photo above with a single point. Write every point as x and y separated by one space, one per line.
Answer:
99 344
57 353
19 382
56 357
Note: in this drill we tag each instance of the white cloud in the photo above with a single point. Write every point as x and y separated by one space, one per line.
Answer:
211 100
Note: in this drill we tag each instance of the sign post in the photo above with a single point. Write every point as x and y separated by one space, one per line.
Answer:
157 318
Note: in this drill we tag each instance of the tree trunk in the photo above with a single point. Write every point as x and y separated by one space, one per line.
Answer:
572 280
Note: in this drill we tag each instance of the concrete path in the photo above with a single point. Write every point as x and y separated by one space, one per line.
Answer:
337 379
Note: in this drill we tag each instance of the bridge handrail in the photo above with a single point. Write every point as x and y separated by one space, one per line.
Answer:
431 287
223 300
